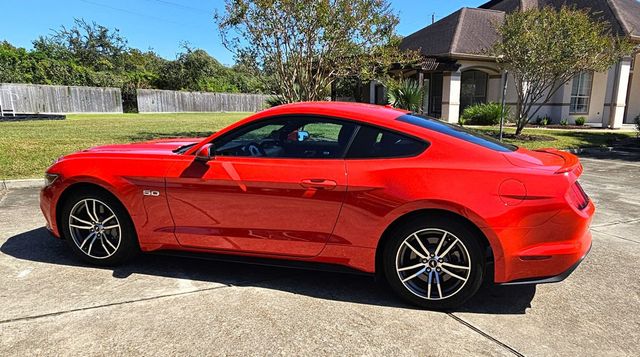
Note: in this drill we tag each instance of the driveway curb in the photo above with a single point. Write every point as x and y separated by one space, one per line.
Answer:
25 183
590 150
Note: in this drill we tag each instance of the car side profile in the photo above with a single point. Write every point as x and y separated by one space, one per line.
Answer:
430 207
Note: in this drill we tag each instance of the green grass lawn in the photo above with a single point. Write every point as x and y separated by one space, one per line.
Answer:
27 148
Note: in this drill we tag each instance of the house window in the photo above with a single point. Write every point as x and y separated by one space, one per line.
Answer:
581 93
473 88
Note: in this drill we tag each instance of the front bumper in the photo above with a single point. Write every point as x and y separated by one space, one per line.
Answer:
47 206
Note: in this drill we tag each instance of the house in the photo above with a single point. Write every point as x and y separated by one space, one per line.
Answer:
462 74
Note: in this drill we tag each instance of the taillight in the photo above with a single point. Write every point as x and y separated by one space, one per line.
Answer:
580 198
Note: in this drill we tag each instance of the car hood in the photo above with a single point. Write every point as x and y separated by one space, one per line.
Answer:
161 146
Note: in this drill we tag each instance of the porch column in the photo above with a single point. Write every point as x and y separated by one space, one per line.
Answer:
451 97
619 97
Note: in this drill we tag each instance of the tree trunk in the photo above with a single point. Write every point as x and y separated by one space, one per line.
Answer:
520 121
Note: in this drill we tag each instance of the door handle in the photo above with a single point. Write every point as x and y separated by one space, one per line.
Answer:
319 184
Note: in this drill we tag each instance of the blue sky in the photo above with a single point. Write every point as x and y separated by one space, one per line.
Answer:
162 24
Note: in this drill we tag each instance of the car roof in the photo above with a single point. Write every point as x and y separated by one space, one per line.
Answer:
375 114
368 113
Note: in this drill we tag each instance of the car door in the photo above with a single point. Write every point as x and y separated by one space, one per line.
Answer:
273 187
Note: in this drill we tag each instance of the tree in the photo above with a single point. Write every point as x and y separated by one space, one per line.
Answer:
545 48
92 45
305 45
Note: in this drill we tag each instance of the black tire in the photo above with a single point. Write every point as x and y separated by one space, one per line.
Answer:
118 248
415 289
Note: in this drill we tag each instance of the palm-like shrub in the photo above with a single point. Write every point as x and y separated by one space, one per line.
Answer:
406 95
275 100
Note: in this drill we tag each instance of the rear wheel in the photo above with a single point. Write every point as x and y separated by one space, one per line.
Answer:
98 229
434 263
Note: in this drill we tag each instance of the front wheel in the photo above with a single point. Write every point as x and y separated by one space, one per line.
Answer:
434 263
98 229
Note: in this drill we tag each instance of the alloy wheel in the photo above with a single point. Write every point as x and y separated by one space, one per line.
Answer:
95 228
433 264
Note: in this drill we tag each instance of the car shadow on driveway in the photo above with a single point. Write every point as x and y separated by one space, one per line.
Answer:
38 246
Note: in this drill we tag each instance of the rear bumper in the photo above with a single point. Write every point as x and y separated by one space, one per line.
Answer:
546 253
551 279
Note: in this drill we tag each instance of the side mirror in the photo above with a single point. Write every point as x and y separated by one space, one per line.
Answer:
204 153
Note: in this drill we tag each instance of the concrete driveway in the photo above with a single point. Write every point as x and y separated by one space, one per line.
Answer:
52 304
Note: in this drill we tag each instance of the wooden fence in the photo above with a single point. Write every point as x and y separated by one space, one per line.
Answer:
33 98
166 101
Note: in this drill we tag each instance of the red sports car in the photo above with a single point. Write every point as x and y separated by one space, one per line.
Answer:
431 207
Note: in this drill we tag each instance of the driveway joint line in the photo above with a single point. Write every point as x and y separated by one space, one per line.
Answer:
615 223
150 298
485 335
613 161
615 236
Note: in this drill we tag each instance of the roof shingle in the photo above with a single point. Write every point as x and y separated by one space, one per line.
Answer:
468 31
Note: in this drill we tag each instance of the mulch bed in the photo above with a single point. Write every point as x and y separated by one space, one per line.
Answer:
558 126
527 137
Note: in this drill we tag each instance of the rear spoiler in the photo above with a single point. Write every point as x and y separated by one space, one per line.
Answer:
571 162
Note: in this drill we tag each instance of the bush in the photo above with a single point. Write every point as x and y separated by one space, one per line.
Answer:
637 122
544 121
483 114
580 121
564 122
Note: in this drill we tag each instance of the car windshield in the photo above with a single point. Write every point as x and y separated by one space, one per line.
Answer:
457 132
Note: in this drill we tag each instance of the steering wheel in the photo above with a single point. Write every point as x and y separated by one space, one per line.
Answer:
255 149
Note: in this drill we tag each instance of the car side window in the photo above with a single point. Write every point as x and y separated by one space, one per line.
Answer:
372 142
291 137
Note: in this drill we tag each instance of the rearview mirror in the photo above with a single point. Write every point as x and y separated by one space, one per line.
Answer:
204 153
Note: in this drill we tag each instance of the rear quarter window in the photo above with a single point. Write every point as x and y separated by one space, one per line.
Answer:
373 142
457 132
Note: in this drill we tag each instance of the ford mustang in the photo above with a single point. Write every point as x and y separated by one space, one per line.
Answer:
431 208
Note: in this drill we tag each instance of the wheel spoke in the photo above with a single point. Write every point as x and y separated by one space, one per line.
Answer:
87 239
449 248
80 227
414 250
91 244
453 275
80 220
438 282
411 267
414 275
440 244
104 246
110 244
86 205
454 266
112 226
424 249
108 219
95 214
429 284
